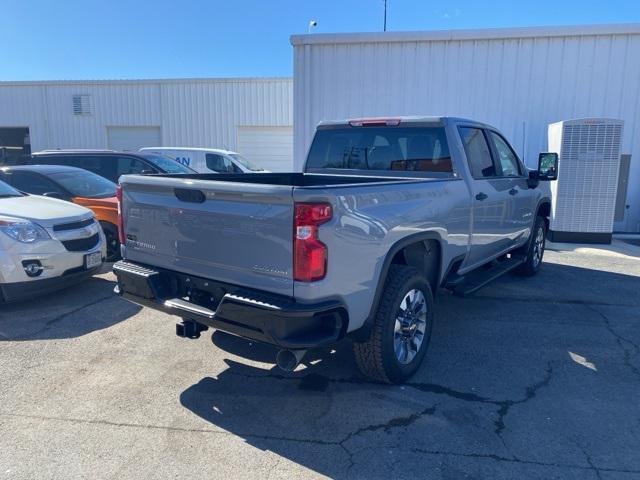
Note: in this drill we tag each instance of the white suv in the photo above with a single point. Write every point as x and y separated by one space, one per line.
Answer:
45 244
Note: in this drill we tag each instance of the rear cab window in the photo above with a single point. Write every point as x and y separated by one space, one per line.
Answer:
415 148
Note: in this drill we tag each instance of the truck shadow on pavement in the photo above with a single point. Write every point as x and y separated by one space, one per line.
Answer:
69 313
497 375
303 416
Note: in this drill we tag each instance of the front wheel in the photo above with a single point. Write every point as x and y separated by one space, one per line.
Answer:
402 326
113 244
534 249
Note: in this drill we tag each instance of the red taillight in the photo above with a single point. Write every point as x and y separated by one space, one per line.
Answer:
309 253
120 223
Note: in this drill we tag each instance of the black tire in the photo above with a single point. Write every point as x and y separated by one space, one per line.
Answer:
534 251
113 244
376 357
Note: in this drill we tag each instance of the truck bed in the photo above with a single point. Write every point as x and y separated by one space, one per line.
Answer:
292 179
238 229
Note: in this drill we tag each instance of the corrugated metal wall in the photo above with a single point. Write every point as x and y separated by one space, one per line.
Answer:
195 113
519 80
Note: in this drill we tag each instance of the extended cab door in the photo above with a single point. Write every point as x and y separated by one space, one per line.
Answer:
513 179
491 201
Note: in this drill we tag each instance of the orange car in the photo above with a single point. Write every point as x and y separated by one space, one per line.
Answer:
106 212
74 185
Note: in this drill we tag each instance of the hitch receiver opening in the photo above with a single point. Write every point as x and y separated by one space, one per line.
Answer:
190 329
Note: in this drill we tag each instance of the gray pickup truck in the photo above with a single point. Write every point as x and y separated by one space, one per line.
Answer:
385 213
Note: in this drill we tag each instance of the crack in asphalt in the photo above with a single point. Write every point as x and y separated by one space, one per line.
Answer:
504 405
589 460
550 301
530 393
52 321
500 458
629 353
396 422
393 423
499 423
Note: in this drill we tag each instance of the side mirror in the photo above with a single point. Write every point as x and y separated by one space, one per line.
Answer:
547 166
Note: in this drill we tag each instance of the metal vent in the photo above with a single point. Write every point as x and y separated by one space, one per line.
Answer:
82 104
584 196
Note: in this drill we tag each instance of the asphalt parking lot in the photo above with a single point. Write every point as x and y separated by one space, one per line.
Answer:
530 378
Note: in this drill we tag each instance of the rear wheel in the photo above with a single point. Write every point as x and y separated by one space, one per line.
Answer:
402 326
534 249
113 244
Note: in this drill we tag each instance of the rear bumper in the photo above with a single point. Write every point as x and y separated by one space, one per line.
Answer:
252 314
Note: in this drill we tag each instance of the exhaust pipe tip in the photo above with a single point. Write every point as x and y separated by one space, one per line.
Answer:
288 360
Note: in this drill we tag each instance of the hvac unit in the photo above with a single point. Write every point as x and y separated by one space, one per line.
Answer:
584 196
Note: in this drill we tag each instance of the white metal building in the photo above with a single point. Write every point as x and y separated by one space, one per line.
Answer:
520 80
249 115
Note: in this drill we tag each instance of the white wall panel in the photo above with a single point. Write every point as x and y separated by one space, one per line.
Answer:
269 147
191 113
520 80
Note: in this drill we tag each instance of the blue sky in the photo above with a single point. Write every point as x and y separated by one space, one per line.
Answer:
72 39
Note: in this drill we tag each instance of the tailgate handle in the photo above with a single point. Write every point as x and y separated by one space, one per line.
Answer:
189 195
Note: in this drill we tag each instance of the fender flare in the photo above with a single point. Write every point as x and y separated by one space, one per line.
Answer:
363 331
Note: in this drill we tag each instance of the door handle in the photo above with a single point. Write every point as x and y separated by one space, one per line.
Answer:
481 196
513 191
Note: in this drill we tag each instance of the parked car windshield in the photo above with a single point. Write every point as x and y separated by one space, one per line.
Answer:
417 149
248 164
83 183
166 164
8 191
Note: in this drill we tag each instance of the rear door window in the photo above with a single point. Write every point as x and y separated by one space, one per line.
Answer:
132 165
477 151
416 149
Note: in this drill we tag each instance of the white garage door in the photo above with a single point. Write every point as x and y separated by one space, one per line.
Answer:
133 138
269 147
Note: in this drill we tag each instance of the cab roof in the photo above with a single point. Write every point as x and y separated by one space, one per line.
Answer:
397 120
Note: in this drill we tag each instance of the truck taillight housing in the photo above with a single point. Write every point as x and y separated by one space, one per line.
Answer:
309 253
120 222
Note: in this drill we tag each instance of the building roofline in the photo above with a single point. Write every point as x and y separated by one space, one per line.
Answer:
146 81
475 34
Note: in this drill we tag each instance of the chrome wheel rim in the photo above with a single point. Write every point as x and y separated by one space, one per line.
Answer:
538 247
112 244
410 326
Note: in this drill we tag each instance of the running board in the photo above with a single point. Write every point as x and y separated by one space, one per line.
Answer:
477 279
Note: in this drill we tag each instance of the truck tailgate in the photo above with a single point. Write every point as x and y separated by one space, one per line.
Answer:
237 233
